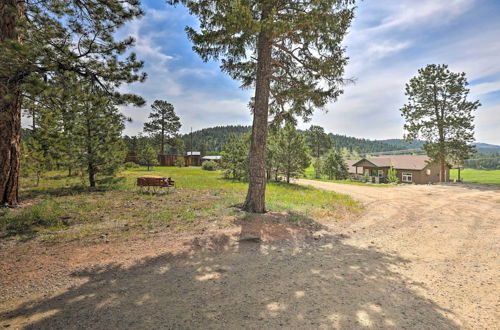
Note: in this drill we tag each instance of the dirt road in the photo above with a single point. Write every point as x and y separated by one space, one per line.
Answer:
423 257
449 236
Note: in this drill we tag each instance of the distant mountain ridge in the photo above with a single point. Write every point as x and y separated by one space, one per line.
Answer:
215 137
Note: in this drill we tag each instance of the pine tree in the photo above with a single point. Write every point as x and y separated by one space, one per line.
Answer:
235 157
164 122
438 112
330 165
148 156
290 51
291 153
97 134
33 159
43 39
319 142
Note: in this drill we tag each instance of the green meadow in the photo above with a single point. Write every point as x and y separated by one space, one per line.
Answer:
61 208
478 176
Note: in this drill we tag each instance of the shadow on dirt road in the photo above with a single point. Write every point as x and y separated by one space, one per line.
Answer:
301 284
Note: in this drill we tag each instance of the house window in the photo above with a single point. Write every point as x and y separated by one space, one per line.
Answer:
380 173
407 177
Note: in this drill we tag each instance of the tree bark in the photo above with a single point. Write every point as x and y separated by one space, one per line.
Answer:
10 108
255 201
443 171
92 171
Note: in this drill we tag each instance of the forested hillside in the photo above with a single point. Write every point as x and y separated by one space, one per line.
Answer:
362 146
213 138
402 144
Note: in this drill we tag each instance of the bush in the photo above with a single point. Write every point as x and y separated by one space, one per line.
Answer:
131 165
179 161
391 176
209 165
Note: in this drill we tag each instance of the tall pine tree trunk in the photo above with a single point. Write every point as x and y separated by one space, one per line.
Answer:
10 108
256 197
92 171
443 170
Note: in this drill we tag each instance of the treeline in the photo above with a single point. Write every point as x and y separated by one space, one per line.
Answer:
365 146
213 139
484 161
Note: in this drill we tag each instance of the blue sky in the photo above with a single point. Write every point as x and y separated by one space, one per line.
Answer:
388 42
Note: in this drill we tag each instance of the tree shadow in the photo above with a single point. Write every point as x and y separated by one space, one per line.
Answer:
219 282
106 184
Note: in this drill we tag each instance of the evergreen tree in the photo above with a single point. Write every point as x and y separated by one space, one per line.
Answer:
291 154
334 166
290 51
164 122
319 142
97 134
438 112
148 156
176 146
235 157
42 39
330 165
33 159
318 168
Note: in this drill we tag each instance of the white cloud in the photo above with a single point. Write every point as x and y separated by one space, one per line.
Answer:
484 88
404 14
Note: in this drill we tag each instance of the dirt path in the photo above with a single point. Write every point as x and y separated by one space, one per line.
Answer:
422 257
449 235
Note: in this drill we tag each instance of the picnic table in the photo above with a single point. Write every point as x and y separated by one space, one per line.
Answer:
155 182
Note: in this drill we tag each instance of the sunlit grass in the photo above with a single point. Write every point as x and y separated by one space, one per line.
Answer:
63 208
479 176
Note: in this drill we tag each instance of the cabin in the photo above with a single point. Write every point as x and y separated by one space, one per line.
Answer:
167 160
216 159
132 157
192 158
416 169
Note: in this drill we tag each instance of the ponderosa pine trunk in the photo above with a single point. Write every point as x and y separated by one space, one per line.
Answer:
255 201
10 108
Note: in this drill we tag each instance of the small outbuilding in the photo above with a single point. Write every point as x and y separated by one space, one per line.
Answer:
192 158
216 159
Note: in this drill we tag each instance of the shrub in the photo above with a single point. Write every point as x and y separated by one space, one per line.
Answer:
209 165
131 165
391 176
179 161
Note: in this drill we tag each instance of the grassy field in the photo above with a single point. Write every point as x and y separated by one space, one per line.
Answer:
63 209
479 176
309 174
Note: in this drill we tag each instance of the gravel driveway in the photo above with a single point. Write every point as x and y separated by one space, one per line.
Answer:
422 257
